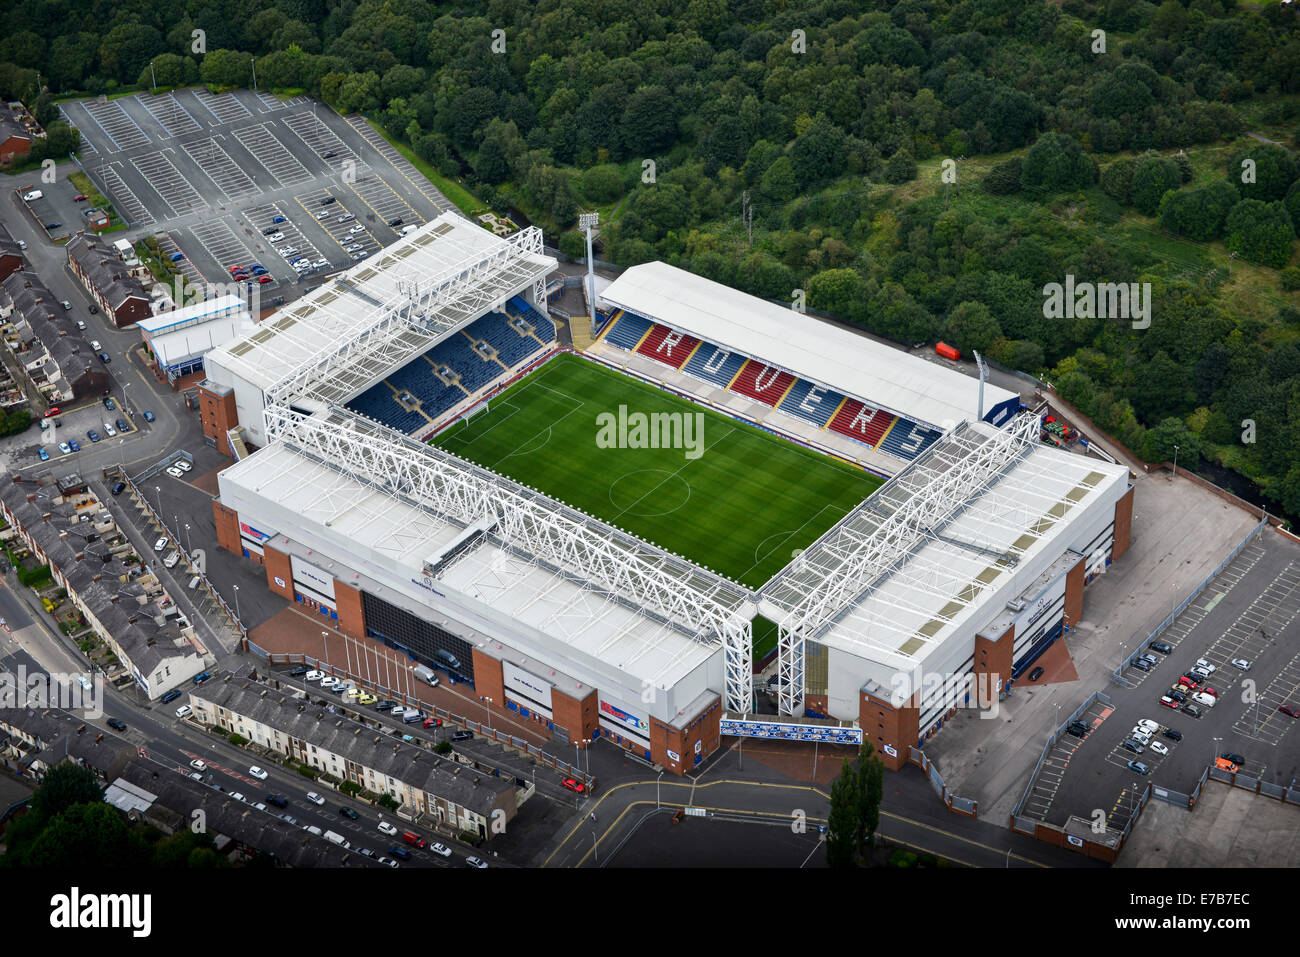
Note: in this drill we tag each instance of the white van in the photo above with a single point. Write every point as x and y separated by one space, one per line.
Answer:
1205 699
409 229
334 837
34 194
194 583
171 560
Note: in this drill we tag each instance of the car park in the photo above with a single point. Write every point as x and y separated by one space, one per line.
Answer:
1158 747
117 724
1173 734
1139 767
386 828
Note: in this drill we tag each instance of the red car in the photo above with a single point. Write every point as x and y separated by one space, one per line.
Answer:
433 722
1189 682
1209 691
54 411
263 280
235 269
1168 702
574 785
79 197
1288 710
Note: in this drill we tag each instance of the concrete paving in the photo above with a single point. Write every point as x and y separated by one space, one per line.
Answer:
1230 827
1181 533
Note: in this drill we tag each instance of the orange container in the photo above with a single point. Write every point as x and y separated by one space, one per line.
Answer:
947 351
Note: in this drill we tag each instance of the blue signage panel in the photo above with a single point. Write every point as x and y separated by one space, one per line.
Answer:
792 732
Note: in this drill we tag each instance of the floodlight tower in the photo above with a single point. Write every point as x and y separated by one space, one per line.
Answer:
984 374
589 221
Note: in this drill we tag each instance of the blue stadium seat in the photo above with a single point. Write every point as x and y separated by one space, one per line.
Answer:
810 402
713 364
628 331
906 440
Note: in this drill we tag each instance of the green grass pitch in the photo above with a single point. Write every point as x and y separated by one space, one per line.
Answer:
742 507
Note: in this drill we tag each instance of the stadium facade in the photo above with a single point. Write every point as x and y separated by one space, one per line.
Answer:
971 559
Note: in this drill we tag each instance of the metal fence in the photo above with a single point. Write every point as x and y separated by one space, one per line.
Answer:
1116 675
961 805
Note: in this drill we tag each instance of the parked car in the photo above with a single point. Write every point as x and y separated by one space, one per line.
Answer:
348 813
1139 767
276 238
1191 681
328 200
462 735
1205 665
1158 747
237 796
298 671
475 862
1173 734
184 711
346 217
395 221
442 850
386 706
1234 757
1289 710
74 445
278 219
201 677
257 772
386 828
1141 735
170 696
389 861
65 448
117 724
1035 674
198 765
1204 699
1191 709
329 681
92 435
328 154
1141 664
42 455
357 228
1168 702
1131 744
1243 664
573 784
148 416
270 231
1150 658
278 800
174 472
433 722
81 324
1149 724
105 358
323 214
313 676
1223 764
410 837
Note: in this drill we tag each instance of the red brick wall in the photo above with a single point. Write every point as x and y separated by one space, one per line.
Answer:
577 716
352 620
993 658
227 520
277 566
901 727
1074 592
1123 524
682 741
218 415
489 682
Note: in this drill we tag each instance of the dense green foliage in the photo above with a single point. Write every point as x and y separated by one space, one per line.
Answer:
831 122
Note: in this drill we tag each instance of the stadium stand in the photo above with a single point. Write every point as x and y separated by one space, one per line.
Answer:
857 421
668 346
713 364
627 331
511 344
906 440
762 382
810 402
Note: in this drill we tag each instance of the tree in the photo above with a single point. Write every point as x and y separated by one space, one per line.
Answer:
1057 162
1151 180
1004 178
1160 442
837 291
602 184
1274 171
649 123
1260 232
900 168
842 821
725 144
818 154
972 326
871 791
227 68
1117 180
65 785
1199 214
779 183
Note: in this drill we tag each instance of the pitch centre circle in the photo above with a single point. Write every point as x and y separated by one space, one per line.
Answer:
649 493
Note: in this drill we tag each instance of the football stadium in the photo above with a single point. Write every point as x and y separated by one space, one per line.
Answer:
616 543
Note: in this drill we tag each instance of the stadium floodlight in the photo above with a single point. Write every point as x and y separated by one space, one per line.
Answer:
984 374
588 222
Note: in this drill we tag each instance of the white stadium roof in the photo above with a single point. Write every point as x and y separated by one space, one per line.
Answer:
346 334
901 578
805 346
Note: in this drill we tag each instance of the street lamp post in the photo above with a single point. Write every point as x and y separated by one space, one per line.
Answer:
159 491
1175 471
325 644
661 774
594 849
1215 752
187 538
237 605
489 711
